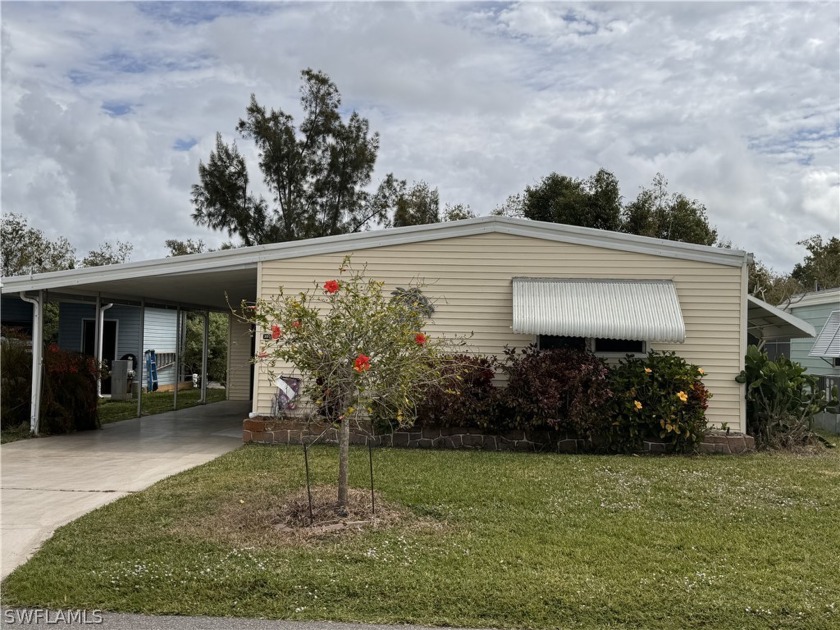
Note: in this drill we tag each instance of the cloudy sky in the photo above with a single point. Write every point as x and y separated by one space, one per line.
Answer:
107 108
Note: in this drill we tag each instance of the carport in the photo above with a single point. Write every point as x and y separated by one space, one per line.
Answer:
214 281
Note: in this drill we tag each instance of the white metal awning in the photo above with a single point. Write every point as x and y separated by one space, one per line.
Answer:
643 310
765 321
827 344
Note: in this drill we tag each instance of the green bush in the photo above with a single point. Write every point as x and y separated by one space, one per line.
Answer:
70 402
781 400
15 379
659 397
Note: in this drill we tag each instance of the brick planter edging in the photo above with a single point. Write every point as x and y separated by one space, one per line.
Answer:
273 431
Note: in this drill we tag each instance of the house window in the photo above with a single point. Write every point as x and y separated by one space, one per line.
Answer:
598 346
619 346
553 342
777 347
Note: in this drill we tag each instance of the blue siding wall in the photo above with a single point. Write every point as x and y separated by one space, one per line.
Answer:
160 331
815 315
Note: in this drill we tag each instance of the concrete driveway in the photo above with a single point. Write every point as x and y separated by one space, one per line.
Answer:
51 481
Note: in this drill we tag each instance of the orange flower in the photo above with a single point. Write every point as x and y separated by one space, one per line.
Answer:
701 371
637 404
362 363
682 396
331 286
420 338
648 370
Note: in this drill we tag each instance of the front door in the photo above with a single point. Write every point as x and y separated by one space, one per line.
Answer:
109 345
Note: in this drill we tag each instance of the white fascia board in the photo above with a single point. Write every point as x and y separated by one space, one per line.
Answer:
504 225
247 257
128 271
814 298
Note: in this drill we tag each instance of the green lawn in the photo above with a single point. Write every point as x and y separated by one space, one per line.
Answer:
154 402
487 540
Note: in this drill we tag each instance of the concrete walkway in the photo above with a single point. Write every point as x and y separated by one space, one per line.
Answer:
48 482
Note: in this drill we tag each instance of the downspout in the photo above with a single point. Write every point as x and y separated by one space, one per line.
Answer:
141 357
100 331
178 339
37 359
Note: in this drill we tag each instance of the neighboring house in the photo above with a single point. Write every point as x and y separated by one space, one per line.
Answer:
506 282
816 308
120 336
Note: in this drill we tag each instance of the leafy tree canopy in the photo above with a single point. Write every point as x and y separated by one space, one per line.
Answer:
594 202
316 172
27 250
458 212
109 253
415 205
674 217
183 248
821 267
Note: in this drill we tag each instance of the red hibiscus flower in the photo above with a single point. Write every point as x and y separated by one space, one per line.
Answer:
331 286
420 339
276 332
362 363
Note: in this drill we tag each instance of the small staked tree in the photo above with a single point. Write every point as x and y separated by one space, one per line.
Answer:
360 352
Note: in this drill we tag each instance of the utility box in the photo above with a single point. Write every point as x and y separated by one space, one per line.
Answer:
119 380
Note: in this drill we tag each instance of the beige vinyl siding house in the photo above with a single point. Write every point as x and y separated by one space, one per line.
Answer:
470 279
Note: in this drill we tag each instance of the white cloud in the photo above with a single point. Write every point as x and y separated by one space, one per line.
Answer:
736 104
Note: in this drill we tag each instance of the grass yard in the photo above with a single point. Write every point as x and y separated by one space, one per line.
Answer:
154 402
485 540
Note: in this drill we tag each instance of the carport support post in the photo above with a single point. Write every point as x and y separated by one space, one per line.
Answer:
141 358
178 339
37 359
204 351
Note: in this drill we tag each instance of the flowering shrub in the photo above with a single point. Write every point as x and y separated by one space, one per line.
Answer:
70 402
564 389
465 396
657 397
15 379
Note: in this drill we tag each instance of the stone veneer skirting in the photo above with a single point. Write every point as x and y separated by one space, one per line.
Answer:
273 431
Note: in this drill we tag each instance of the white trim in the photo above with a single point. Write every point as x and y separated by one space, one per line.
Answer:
249 257
814 298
